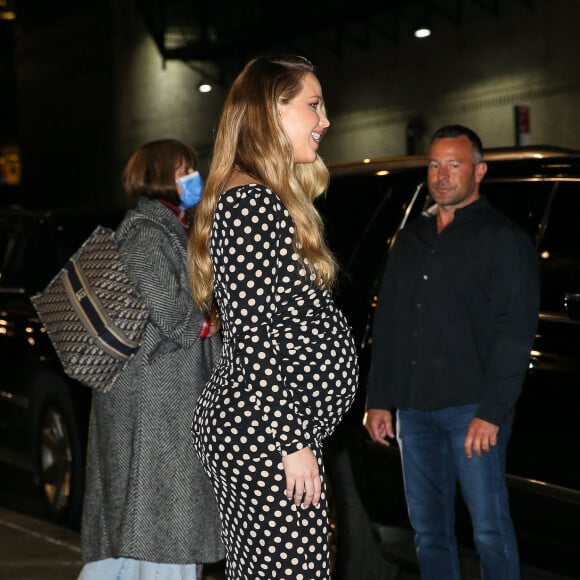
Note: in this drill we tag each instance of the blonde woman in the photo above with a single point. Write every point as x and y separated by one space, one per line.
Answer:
288 371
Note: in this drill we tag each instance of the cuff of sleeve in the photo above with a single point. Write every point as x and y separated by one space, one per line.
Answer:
291 447
492 413
378 400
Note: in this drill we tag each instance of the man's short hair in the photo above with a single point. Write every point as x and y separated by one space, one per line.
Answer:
452 131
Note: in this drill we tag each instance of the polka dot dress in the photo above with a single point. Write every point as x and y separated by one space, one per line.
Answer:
287 375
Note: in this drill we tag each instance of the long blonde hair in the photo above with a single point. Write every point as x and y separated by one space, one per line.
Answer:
251 137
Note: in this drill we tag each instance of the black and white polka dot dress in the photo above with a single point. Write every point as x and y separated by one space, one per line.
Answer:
287 375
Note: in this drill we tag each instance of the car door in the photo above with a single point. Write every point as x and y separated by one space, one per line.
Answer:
30 260
544 455
553 384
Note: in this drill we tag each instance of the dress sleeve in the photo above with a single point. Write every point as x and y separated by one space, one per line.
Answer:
257 245
157 269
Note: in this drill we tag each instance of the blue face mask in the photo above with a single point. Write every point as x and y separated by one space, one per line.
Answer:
191 189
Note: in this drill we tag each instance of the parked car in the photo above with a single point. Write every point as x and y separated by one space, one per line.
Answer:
43 414
366 205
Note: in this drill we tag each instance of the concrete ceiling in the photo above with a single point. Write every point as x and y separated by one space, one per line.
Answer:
225 33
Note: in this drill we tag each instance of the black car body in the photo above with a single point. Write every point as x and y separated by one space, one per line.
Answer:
43 414
366 205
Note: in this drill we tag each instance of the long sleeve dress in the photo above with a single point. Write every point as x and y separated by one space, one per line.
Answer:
287 375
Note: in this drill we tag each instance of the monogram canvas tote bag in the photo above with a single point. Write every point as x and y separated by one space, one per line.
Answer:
93 313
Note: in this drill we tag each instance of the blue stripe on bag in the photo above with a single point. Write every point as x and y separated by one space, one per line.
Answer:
100 330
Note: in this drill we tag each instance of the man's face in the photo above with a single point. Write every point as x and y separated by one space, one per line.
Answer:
452 175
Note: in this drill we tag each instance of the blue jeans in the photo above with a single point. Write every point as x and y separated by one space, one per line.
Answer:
130 569
434 460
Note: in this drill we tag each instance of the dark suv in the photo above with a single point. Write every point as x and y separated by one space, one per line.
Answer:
366 205
43 413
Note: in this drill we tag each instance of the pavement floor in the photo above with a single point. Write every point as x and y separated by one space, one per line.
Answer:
33 549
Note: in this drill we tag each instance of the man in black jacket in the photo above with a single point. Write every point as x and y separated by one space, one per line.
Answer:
455 322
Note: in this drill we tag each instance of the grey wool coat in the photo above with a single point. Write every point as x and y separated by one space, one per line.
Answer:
147 496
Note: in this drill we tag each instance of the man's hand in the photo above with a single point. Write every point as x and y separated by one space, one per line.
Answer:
303 483
481 436
379 424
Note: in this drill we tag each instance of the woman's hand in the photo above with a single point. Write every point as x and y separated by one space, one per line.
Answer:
302 477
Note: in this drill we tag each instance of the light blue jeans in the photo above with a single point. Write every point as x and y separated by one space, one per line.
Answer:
434 460
129 569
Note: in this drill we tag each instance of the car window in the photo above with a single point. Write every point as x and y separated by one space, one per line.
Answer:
347 208
560 249
524 202
32 262
353 203
362 214
370 254
35 252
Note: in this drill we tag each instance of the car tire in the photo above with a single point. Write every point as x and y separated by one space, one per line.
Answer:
358 553
58 452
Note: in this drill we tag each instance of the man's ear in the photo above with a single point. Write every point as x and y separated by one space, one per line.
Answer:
480 171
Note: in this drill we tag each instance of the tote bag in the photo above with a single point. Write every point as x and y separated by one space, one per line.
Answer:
93 313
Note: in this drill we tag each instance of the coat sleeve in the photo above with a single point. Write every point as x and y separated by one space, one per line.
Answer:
379 384
515 306
160 272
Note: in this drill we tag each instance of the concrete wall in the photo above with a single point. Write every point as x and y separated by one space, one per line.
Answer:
156 99
94 88
474 74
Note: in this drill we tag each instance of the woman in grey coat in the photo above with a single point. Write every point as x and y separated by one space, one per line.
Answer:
149 509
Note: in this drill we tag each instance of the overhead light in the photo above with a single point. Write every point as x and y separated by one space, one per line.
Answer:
422 32
422 20
204 87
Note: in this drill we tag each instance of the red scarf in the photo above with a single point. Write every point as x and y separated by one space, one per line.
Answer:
181 214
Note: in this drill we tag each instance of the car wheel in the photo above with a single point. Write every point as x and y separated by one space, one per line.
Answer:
357 551
59 458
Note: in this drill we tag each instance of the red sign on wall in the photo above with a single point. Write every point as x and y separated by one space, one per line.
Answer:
523 124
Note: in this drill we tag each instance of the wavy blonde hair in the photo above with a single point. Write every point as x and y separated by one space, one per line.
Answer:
251 137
